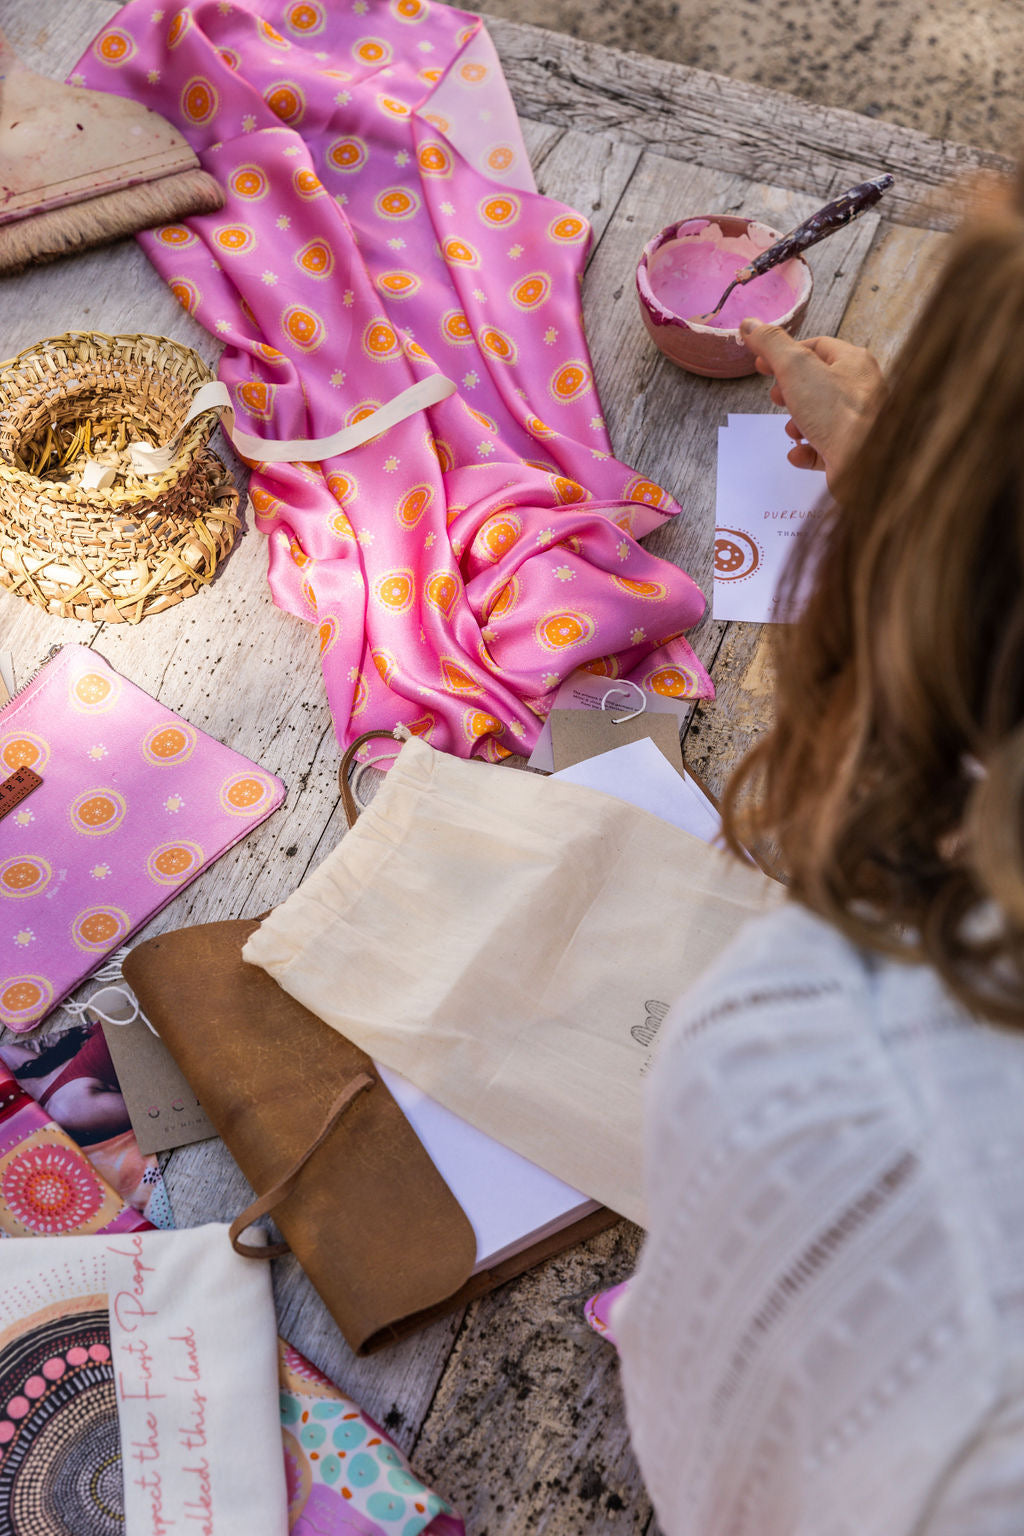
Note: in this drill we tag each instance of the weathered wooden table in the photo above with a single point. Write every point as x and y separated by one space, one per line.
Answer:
512 1407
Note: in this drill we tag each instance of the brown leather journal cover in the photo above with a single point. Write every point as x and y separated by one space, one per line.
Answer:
370 1219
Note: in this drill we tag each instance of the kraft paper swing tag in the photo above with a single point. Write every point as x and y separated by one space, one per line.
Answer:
161 1106
577 734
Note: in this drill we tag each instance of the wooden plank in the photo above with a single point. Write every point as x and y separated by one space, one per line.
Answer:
52 37
663 420
731 125
527 1432
590 172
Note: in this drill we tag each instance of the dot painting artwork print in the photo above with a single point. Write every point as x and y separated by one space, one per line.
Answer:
382 226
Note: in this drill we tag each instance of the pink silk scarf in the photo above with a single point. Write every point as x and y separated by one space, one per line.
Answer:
382 226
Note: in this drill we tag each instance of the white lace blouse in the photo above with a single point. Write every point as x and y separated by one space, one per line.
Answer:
825 1336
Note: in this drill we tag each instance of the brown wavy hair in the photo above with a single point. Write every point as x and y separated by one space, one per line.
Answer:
891 785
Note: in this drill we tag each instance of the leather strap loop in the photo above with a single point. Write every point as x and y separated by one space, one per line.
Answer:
283 1188
348 799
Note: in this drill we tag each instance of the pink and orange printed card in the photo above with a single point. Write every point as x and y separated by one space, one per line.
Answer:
134 804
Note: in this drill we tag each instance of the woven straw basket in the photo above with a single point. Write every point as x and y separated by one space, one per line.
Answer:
149 540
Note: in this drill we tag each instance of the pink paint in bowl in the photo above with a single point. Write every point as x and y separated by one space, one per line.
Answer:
683 272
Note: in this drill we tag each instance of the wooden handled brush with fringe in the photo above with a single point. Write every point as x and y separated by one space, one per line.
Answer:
80 168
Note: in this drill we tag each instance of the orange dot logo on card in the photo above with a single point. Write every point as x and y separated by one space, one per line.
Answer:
20 749
395 590
176 236
115 47
172 863
392 106
234 239
24 875
499 211
413 504
177 29
328 632
569 229
497 536
434 159
380 341
169 745
473 73
400 285
348 154
560 631
250 182
305 19
396 203
246 794
316 258
23 998
441 591
99 928
372 50
304 327
186 293
286 101
307 184
650 591
498 344
456 328
570 381
737 554
459 252
94 692
97 811
530 291
506 598
671 682
567 491
199 101
646 491
408 10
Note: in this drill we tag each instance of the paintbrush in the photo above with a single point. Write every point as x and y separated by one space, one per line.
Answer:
835 215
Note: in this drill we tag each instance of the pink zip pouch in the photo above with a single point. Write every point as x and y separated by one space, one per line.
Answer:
134 803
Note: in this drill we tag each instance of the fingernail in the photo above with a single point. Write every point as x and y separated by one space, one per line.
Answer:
747 326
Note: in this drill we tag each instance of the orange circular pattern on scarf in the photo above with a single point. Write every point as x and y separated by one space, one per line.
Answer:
499 210
434 160
99 927
115 47
24 875
249 181
559 631
235 239
571 380
456 328
413 504
569 228
395 590
441 590
500 345
372 50
461 253
304 326
400 285
199 101
304 18
348 154
396 203
22 996
671 682
380 340
173 862
316 258
530 290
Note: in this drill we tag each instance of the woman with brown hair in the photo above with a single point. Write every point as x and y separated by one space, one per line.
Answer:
825 1336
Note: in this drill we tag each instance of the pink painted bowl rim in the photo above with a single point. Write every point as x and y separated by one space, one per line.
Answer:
754 227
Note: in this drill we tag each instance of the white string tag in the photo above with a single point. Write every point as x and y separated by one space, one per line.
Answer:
621 688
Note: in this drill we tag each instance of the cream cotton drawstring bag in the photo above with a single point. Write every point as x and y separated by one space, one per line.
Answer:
510 944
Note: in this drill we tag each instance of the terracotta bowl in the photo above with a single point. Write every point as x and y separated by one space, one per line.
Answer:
712 350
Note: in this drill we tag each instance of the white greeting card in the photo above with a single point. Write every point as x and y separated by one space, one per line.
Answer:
762 503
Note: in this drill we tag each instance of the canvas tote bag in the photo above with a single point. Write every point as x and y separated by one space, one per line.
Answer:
511 943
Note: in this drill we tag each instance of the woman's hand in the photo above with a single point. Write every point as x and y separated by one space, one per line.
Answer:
831 389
